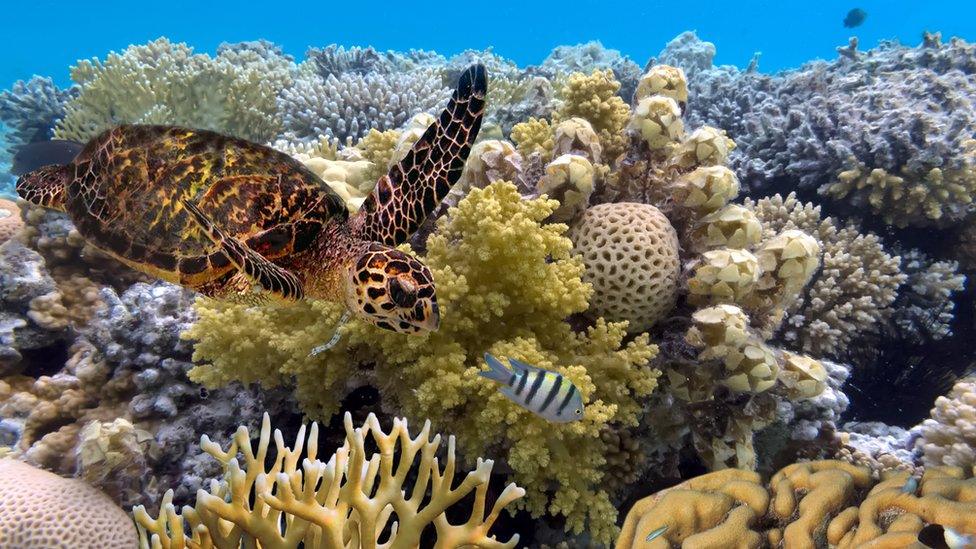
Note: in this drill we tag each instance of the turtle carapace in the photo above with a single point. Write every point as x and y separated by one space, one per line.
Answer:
238 220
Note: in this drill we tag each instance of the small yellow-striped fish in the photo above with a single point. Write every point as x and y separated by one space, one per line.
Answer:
539 391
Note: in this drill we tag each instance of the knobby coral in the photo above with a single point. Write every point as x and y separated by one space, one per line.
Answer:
347 501
505 283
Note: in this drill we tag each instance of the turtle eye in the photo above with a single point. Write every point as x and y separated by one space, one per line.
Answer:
579 412
402 292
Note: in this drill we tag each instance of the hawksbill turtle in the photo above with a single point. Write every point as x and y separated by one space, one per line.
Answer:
237 220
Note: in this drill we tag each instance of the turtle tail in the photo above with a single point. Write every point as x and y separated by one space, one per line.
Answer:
46 186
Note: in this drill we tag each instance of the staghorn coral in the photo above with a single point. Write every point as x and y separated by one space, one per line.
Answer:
853 293
947 437
279 506
497 292
594 98
350 104
41 509
630 252
816 504
166 83
337 60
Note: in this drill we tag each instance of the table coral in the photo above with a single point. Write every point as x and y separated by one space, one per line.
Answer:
812 505
347 501
506 282
166 83
41 509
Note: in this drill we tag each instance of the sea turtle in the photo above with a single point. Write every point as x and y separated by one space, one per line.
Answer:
238 220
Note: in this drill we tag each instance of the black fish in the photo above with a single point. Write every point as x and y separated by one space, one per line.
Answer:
43 153
933 536
855 17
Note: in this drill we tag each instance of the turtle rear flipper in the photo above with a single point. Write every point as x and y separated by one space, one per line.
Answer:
412 189
46 186
270 277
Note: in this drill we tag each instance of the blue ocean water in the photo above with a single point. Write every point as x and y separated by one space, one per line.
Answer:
46 37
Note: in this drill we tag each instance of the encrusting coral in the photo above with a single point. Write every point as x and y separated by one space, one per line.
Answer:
41 509
816 504
505 282
354 499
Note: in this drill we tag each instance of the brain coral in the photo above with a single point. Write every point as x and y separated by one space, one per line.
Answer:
631 255
42 510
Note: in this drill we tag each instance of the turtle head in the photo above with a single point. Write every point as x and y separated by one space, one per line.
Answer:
392 290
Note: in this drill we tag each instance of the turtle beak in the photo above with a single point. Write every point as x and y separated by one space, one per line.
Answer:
432 318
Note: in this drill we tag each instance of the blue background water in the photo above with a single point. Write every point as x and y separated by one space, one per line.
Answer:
46 37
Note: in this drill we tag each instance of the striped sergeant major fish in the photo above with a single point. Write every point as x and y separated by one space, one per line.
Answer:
539 391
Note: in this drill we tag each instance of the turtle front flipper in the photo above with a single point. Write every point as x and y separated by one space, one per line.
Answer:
270 277
46 186
404 197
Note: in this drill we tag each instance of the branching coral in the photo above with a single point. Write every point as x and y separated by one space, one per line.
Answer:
851 295
585 58
505 282
896 121
350 104
166 83
816 504
934 197
31 109
348 501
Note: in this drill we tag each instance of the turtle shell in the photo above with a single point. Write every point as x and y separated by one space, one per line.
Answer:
129 181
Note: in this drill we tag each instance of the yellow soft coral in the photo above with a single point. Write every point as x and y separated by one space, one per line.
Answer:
535 135
594 98
505 283
347 501
379 149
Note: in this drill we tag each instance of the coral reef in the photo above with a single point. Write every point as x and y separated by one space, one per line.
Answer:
585 58
350 104
505 283
166 83
854 293
812 504
890 129
41 509
30 111
281 506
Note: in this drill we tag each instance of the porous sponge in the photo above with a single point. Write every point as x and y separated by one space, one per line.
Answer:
631 255
42 510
